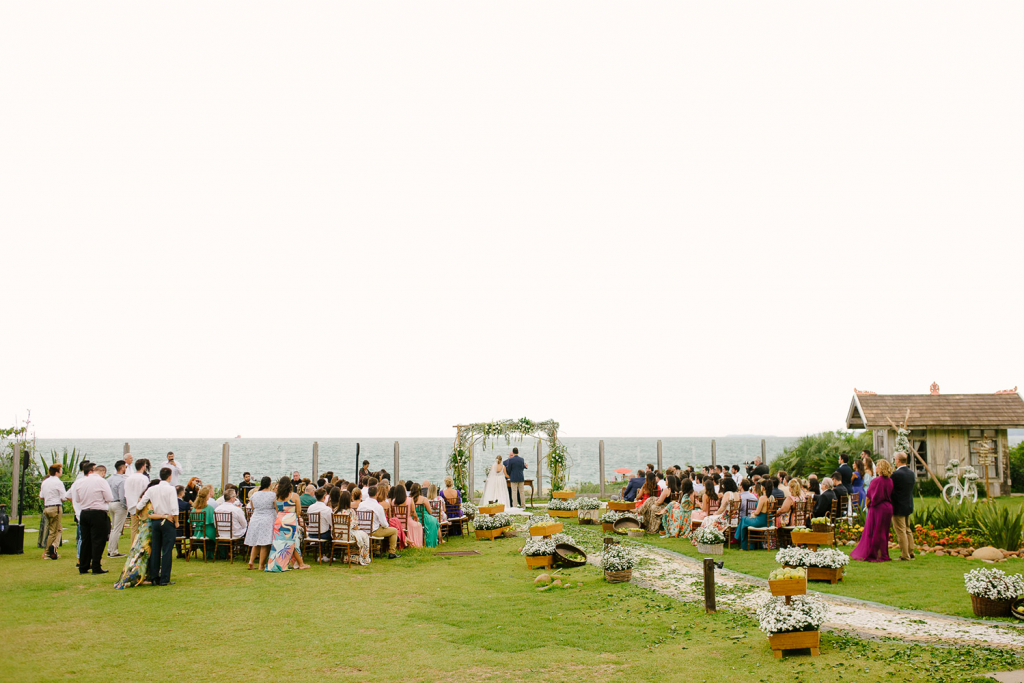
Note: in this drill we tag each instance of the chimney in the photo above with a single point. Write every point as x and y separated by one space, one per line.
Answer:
934 389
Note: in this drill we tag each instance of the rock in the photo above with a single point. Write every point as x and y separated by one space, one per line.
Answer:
558 582
940 553
543 578
987 553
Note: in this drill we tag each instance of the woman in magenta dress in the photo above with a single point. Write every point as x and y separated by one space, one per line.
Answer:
874 541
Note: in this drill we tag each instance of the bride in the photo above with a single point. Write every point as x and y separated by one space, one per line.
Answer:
495 489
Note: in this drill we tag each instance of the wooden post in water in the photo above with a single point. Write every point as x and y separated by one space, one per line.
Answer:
127 450
764 452
660 467
709 585
225 458
540 472
600 461
397 478
470 493
316 462
714 455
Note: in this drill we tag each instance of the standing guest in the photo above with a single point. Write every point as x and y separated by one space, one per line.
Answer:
757 518
364 473
192 489
135 571
260 533
380 527
823 508
845 472
874 540
76 508
759 467
208 531
869 467
53 494
308 496
173 466
633 487
134 487
839 489
245 487
92 494
859 486
118 508
296 482
229 506
286 530
319 507
431 527
903 480
163 522
129 460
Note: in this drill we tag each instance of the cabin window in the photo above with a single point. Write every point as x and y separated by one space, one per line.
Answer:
880 443
918 439
982 443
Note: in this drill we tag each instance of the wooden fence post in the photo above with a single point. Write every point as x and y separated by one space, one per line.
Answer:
714 455
709 585
600 460
15 480
470 493
316 462
660 467
540 472
225 458
397 478
764 452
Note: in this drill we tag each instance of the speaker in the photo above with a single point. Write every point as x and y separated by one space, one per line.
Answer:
12 540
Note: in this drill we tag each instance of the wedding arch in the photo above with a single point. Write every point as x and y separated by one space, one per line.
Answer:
484 433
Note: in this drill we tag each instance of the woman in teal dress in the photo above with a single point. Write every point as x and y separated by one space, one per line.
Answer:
429 522
676 518
286 531
759 518
205 533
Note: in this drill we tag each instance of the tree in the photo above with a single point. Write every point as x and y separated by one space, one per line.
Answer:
819 453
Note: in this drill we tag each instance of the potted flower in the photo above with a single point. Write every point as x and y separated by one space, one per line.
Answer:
470 510
609 518
563 507
490 508
564 495
821 525
492 526
618 562
709 540
993 591
539 552
788 581
822 565
589 509
792 625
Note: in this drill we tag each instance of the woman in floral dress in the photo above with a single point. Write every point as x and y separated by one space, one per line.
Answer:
654 507
676 518
730 498
286 531
136 568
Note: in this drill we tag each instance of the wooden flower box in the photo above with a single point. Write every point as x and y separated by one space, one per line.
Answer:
813 538
546 530
795 640
562 513
621 505
491 509
788 587
607 526
825 574
563 495
490 534
540 561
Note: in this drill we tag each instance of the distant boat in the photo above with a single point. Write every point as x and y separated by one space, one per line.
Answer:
239 436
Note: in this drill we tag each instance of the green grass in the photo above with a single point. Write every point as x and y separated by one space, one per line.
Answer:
420 618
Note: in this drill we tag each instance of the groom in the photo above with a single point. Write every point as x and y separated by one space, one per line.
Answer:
514 468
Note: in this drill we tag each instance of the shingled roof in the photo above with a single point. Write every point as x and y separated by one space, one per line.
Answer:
999 411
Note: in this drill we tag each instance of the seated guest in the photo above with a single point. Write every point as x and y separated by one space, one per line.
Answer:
648 490
403 518
192 489
323 532
431 527
371 481
787 514
776 492
205 506
758 518
322 482
823 508
814 487
661 481
632 488
220 500
837 485
382 497
747 494
452 499
334 500
357 498
308 497
709 498
183 505
238 523
379 527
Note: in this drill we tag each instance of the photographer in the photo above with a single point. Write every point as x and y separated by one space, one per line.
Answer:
173 467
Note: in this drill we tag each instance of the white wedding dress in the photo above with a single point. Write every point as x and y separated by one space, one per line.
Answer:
496 490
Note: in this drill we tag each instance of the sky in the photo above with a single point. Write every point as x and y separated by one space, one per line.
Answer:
638 219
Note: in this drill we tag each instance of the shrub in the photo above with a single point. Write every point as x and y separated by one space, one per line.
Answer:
1000 527
617 558
819 453
1017 468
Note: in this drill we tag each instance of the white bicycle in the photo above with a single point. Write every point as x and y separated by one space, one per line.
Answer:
966 490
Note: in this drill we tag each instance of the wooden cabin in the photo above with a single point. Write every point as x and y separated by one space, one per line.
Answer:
944 427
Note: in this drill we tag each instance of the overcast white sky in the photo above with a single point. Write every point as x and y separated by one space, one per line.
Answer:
381 219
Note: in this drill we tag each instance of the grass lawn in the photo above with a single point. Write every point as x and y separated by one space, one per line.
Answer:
420 618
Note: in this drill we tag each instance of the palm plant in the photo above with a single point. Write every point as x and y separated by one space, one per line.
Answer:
1001 527
69 461
819 453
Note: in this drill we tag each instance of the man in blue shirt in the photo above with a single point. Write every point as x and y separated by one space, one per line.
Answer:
634 486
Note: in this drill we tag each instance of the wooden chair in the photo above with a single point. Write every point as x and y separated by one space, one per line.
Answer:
740 509
455 516
197 520
765 534
365 519
248 514
843 516
225 536
341 536
435 509
181 543
401 513
312 537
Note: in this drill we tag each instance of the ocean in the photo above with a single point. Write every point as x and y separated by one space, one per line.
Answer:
420 458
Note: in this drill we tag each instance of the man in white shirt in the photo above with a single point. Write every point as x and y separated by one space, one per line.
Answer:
77 508
118 508
379 528
92 496
323 531
162 522
174 467
53 494
230 506
134 487
661 482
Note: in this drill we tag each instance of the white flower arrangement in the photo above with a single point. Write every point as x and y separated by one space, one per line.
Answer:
804 613
469 509
903 441
708 535
541 520
617 558
970 474
994 584
491 522
563 504
613 516
537 547
803 557
587 503
563 538
951 467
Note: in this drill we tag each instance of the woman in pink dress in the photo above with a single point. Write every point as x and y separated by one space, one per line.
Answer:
874 541
414 530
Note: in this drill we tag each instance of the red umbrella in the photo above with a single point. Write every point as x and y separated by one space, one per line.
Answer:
623 470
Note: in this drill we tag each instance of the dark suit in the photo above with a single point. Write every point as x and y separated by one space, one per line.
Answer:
903 480
846 476
823 508
761 469
515 466
634 486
